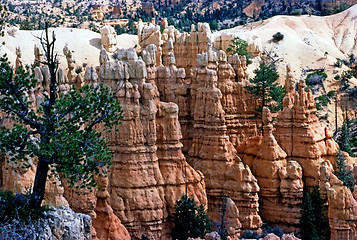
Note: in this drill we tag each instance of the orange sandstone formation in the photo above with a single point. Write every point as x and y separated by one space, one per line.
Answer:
106 223
214 154
203 118
302 136
146 148
342 204
280 180
203 121
185 99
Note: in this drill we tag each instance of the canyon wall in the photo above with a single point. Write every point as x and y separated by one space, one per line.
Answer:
222 140
149 172
188 128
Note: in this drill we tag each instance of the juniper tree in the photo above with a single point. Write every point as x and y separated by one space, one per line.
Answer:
61 133
313 220
222 229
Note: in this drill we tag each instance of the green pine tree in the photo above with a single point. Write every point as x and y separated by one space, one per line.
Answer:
61 133
320 214
144 237
266 90
189 220
343 139
307 220
240 47
343 172
3 19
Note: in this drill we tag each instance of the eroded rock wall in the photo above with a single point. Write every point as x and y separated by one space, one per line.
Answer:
302 136
149 172
211 150
279 179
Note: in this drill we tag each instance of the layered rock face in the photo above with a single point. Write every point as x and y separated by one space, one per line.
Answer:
342 204
214 154
106 224
184 90
302 136
203 121
279 179
342 213
149 172
184 48
213 115
289 159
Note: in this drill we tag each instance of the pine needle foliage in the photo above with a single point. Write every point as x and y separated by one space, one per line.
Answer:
344 140
266 90
61 132
343 172
190 220
308 219
240 47
314 221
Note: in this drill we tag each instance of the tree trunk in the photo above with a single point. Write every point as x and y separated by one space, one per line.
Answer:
39 186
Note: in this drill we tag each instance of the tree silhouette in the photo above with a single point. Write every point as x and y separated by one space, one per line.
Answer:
61 132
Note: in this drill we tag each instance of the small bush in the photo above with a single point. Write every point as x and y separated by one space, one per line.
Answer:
78 70
144 237
251 234
240 47
267 228
331 93
323 100
318 106
338 63
214 25
345 80
190 220
278 37
272 229
315 78
296 12
323 117
115 55
16 207
352 92
19 230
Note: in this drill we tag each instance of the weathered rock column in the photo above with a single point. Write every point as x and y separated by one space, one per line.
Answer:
213 153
